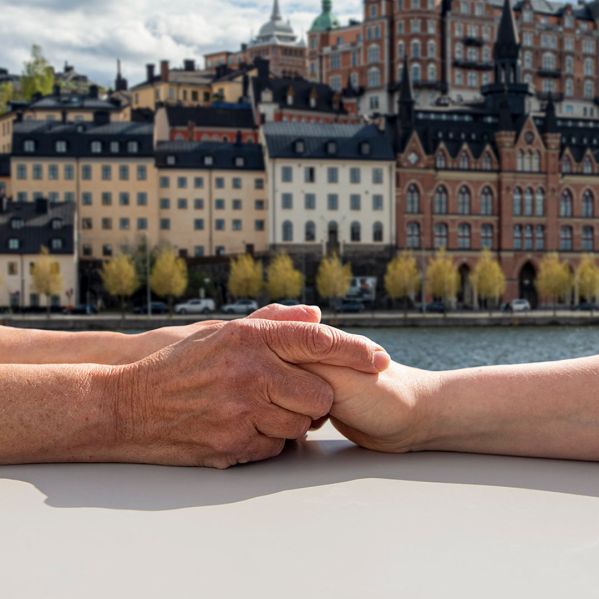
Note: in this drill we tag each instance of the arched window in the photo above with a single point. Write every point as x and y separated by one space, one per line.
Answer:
415 49
374 54
401 49
377 232
464 161
440 201
540 202
565 238
464 200
565 204
486 236
566 165
310 232
536 162
528 202
486 201
587 166
539 237
441 235
431 72
520 165
487 162
374 77
440 160
464 236
588 243
589 67
589 89
416 73
517 202
528 162
413 200
518 237
287 231
588 204
528 237
431 49
356 232
413 237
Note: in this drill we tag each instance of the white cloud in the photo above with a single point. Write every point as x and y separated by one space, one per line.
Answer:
91 35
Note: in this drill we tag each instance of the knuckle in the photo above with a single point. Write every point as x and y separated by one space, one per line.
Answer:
322 340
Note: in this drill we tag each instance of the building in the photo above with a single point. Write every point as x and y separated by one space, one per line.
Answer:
5 180
497 174
276 42
26 228
450 43
331 188
212 197
69 80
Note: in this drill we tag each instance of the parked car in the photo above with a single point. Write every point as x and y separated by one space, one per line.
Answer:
586 307
157 308
349 306
81 310
288 302
196 306
435 308
243 306
519 305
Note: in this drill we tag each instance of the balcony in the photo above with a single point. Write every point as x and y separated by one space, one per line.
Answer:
546 96
551 73
473 64
430 85
475 41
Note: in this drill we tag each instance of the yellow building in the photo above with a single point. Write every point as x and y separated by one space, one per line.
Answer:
5 180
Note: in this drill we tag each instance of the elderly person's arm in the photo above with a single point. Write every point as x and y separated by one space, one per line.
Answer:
229 393
544 410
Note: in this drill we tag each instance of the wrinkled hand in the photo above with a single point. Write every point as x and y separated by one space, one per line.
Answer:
386 411
230 392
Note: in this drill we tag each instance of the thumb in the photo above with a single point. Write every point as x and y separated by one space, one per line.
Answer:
294 313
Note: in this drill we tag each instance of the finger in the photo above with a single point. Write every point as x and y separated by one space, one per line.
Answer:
293 313
298 391
319 423
302 343
262 448
278 423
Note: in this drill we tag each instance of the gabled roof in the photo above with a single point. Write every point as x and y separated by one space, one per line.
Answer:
74 102
207 116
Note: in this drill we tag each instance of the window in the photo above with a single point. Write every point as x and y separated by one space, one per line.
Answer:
237 224
96 147
539 237
123 198
374 77
565 204
377 176
413 200
565 239
464 161
332 201
86 198
123 172
377 202
332 175
133 147
355 175
69 172
355 231
310 231
237 183
106 224
486 201
52 172
86 172
486 236
587 166
142 172
142 198
106 172
106 198
21 172
198 204
464 200
198 251
310 174
198 182
142 224
165 224
440 201
566 165
37 172
29 146
309 201
124 224
517 202
413 235
374 54
518 237
441 235
588 244
60 147
440 160
528 202
259 225
219 183
377 232
198 224
287 174
528 237
219 204
164 203
107 250
17 223
355 202
287 231
165 182
540 202
258 183
182 203
464 236
588 208
287 201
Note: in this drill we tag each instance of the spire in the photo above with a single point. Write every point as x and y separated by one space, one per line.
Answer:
550 116
120 83
507 48
276 12
406 97
507 33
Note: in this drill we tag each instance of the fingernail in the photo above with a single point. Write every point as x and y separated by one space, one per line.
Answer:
381 360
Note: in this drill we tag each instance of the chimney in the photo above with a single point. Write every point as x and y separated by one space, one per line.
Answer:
41 206
63 116
189 65
164 70
150 72
101 117
94 91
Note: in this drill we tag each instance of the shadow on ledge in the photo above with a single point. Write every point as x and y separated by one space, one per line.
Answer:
302 465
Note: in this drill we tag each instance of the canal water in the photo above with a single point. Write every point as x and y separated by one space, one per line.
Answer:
446 349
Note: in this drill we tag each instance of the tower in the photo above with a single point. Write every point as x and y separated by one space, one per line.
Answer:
406 97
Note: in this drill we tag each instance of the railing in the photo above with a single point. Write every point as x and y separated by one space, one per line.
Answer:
473 64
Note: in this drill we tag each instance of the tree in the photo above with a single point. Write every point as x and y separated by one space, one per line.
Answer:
442 277
488 279
46 278
38 75
120 278
6 95
283 280
587 279
554 281
402 278
245 277
334 278
169 276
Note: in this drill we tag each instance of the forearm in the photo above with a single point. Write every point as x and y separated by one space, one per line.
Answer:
56 413
544 410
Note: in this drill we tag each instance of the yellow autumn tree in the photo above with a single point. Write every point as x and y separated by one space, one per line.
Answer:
120 278
333 278
402 279
488 279
442 278
46 278
283 279
245 277
587 279
554 281
169 277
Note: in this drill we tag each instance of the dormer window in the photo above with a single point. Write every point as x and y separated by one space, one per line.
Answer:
115 147
299 146
17 223
171 160
56 244
29 145
56 224
133 147
331 147
14 244
96 147
313 100
208 160
61 147
365 148
240 161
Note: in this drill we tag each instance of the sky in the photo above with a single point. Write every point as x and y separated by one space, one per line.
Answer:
92 34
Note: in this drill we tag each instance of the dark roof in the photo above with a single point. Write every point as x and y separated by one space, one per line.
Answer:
79 137
207 116
38 228
189 154
4 165
74 101
349 140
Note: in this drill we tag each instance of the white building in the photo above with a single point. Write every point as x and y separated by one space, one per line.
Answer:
331 188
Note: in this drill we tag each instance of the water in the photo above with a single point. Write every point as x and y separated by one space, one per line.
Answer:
447 349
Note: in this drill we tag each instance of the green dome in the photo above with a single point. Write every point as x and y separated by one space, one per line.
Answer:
326 20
